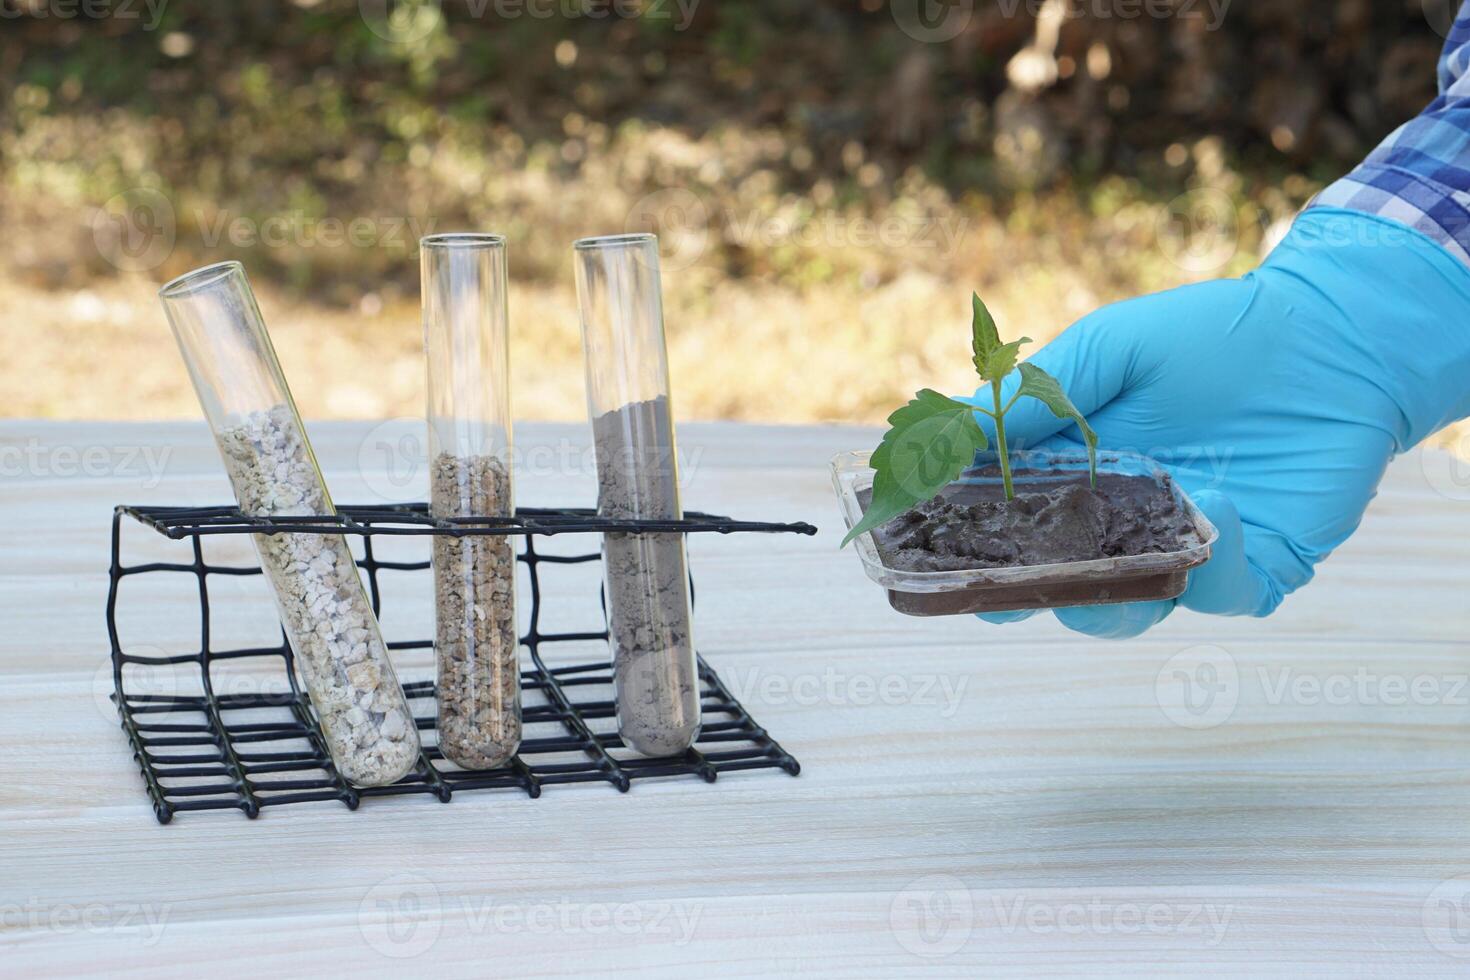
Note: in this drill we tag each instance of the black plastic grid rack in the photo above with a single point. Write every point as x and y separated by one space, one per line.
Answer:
196 754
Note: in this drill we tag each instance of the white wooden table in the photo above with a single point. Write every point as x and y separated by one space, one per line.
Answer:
974 799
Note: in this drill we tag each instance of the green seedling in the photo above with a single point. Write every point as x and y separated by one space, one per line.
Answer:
934 438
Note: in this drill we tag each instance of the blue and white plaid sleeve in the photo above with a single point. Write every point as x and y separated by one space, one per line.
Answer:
1420 175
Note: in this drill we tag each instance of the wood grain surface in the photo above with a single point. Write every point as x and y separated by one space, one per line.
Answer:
1284 796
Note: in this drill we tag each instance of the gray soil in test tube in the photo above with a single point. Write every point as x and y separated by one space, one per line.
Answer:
655 678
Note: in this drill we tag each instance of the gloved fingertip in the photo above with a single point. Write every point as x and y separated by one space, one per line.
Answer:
1219 508
1120 622
1229 584
1003 618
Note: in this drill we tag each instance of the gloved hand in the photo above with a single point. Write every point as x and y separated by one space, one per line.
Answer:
1276 400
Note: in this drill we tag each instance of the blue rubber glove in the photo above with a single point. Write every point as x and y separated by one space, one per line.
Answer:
1276 400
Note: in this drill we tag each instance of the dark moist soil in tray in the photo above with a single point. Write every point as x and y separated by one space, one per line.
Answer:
1055 517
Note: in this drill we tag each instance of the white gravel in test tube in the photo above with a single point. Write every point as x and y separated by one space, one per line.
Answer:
322 603
475 640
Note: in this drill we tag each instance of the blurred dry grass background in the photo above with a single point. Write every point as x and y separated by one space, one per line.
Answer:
828 188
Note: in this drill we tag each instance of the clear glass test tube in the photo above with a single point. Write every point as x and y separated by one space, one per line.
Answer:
655 676
319 595
467 346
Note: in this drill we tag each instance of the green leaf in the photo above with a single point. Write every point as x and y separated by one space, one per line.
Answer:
1037 384
1002 360
930 442
992 358
888 502
984 338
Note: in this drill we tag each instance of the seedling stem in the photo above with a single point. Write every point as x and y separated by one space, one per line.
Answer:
1000 440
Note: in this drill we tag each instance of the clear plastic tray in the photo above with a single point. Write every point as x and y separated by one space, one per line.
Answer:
1134 578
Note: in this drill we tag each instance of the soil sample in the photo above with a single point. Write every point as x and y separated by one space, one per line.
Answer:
1056 518
655 677
320 597
475 636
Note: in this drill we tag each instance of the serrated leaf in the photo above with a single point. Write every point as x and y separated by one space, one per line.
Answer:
992 358
1002 360
929 442
931 452
887 503
984 337
1036 383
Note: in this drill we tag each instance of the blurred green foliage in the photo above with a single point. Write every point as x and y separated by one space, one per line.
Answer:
559 122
